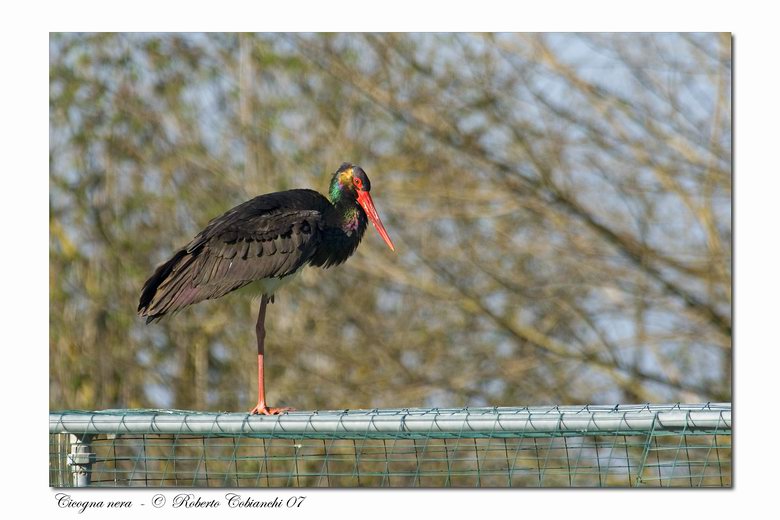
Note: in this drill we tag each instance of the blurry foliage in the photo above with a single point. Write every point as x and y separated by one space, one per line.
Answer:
561 206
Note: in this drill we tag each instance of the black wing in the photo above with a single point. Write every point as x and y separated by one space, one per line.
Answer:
272 235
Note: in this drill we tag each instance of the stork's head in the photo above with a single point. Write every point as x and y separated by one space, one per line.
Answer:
350 183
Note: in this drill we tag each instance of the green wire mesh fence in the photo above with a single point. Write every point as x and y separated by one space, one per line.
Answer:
679 445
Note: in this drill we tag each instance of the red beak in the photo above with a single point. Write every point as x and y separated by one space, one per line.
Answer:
364 199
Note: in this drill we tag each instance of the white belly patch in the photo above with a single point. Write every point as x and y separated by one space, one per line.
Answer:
270 285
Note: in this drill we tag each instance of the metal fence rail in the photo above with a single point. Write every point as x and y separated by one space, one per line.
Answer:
561 446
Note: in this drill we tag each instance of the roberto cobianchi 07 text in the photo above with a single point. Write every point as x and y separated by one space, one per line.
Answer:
182 501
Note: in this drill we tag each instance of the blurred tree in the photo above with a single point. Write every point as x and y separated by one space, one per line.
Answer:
561 206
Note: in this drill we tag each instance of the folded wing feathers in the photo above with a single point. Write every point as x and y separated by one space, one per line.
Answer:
223 258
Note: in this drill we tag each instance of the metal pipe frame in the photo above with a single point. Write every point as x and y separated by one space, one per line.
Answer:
432 422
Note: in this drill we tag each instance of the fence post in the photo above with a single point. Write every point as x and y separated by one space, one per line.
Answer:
81 459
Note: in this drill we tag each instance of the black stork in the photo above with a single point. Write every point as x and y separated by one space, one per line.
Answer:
266 241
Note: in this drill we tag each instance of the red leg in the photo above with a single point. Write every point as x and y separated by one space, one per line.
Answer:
261 407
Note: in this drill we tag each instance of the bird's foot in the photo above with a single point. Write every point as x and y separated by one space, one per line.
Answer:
262 409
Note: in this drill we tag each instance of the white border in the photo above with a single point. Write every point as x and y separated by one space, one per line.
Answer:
24 116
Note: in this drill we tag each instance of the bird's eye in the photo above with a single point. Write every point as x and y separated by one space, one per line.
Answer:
358 182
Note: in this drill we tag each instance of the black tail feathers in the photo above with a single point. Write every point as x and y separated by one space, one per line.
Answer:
149 291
